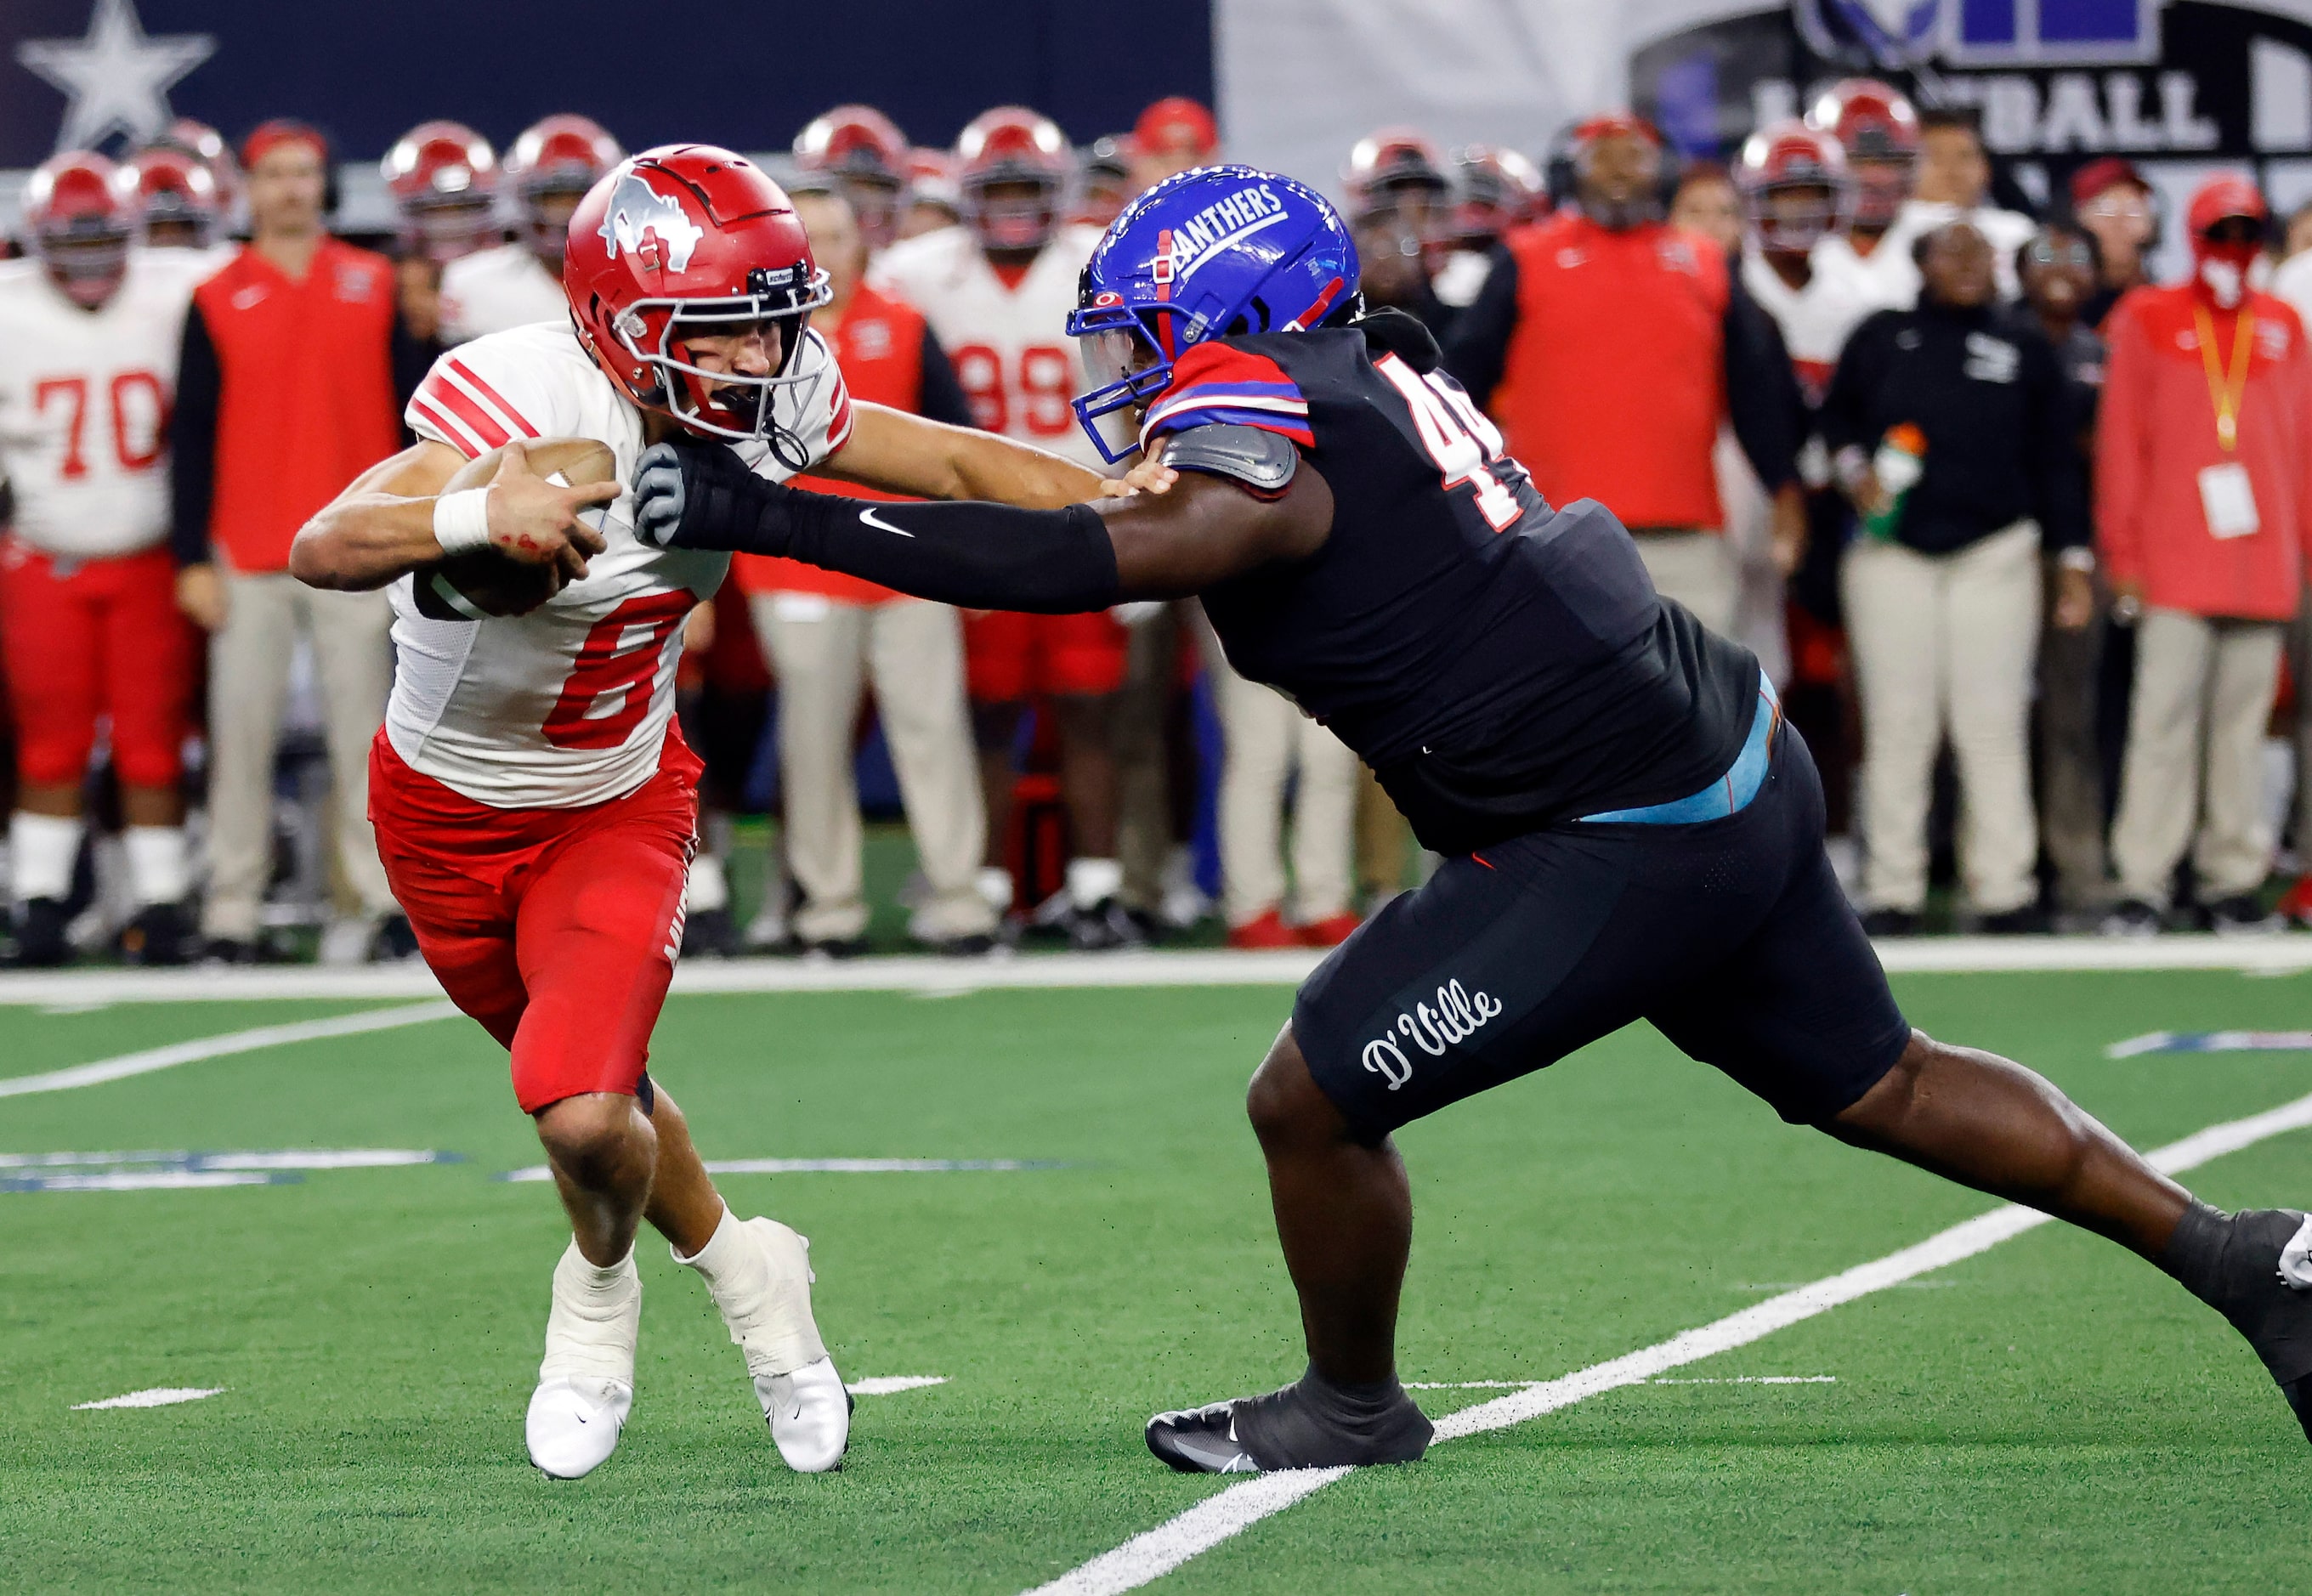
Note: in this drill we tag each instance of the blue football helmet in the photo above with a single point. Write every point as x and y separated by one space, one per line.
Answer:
1205 254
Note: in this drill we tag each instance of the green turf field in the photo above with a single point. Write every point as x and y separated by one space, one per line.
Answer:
2051 1416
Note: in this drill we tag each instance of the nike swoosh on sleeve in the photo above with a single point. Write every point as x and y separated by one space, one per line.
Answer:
880 525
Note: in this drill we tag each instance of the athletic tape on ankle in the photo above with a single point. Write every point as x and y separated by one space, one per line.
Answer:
461 520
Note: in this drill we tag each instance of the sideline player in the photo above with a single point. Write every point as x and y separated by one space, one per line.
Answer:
1632 830
534 805
550 167
89 335
996 291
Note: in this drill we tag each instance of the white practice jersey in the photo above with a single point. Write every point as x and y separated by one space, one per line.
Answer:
1009 346
1814 320
84 399
1890 277
493 290
569 704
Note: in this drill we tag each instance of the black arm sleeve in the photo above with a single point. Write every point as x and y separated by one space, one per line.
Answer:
1479 348
940 396
1761 391
974 555
192 443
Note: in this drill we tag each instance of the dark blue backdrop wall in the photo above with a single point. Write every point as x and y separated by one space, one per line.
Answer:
747 74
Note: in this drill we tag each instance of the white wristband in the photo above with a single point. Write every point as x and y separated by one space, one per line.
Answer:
461 520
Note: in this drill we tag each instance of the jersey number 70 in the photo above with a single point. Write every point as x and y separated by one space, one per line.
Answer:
1466 446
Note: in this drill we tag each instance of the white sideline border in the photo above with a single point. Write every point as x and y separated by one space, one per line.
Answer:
1155 1553
2288 953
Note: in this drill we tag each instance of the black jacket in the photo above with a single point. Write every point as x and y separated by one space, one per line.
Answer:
2001 424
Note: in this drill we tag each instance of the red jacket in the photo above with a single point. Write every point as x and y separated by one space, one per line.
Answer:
1615 379
879 343
305 398
2157 432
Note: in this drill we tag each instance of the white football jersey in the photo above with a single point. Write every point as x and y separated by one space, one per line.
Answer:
1009 345
84 399
1888 274
1814 320
567 705
493 290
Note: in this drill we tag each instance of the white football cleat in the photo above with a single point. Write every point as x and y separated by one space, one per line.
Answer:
586 1382
573 1425
809 1415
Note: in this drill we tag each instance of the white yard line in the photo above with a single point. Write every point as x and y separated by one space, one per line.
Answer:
834 1167
1149 1557
2287 955
884 1385
218 1047
160 1396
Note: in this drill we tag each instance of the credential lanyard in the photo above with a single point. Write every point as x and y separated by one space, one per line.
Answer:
2227 385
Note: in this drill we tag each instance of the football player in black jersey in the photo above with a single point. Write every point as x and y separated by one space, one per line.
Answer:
1631 830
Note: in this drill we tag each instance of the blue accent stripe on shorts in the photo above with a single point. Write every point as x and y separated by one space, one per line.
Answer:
1731 793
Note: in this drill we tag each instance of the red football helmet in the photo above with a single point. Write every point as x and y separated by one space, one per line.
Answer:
554 161
1496 189
1795 186
1011 145
207 146
1387 166
176 192
443 179
859 147
1878 128
79 211
692 239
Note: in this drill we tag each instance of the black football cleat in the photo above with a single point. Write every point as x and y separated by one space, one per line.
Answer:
40 943
2254 1267
158 935
1310 1423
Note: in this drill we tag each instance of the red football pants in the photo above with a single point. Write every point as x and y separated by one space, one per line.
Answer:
556 929
90 638
1009 656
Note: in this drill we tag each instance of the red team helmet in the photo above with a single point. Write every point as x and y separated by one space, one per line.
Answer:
443 179
79 212
174 191
1011 144
562 155
1494 189
1794 184
864 151
1878 128
693 238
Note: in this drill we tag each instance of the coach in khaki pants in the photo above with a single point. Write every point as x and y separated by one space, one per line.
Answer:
1943 590
2203 481
287 393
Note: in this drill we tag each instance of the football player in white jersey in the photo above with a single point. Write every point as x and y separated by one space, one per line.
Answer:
1796 194
550 167
534 801
89 336
996 292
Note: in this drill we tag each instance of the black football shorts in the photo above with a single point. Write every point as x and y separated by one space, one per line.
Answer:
1730 936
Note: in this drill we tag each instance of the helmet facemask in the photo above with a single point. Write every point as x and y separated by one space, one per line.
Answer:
653 334
85 256
1012 221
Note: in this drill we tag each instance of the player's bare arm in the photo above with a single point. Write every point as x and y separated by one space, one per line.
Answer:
901 453
407 513
1232 505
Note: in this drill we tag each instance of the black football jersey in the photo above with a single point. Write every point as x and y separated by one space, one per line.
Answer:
1501 664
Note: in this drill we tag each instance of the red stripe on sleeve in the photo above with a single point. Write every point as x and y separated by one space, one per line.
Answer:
495 398
453 434
477 420
1217 362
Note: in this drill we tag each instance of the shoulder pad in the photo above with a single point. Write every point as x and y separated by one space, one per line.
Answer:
1261 459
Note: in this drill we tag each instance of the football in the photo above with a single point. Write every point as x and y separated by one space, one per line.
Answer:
486 581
